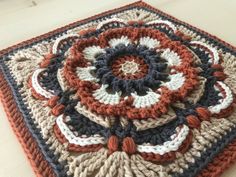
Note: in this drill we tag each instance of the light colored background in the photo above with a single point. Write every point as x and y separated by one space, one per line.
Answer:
24 19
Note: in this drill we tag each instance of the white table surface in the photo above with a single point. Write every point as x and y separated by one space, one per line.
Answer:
24 19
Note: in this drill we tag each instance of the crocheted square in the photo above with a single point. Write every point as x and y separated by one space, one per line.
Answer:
129 92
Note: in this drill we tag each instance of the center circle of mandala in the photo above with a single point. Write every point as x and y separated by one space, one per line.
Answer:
129 67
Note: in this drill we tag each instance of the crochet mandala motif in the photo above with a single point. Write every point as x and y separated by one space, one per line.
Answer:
131 92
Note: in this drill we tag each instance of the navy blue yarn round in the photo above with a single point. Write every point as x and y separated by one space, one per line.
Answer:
156 69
